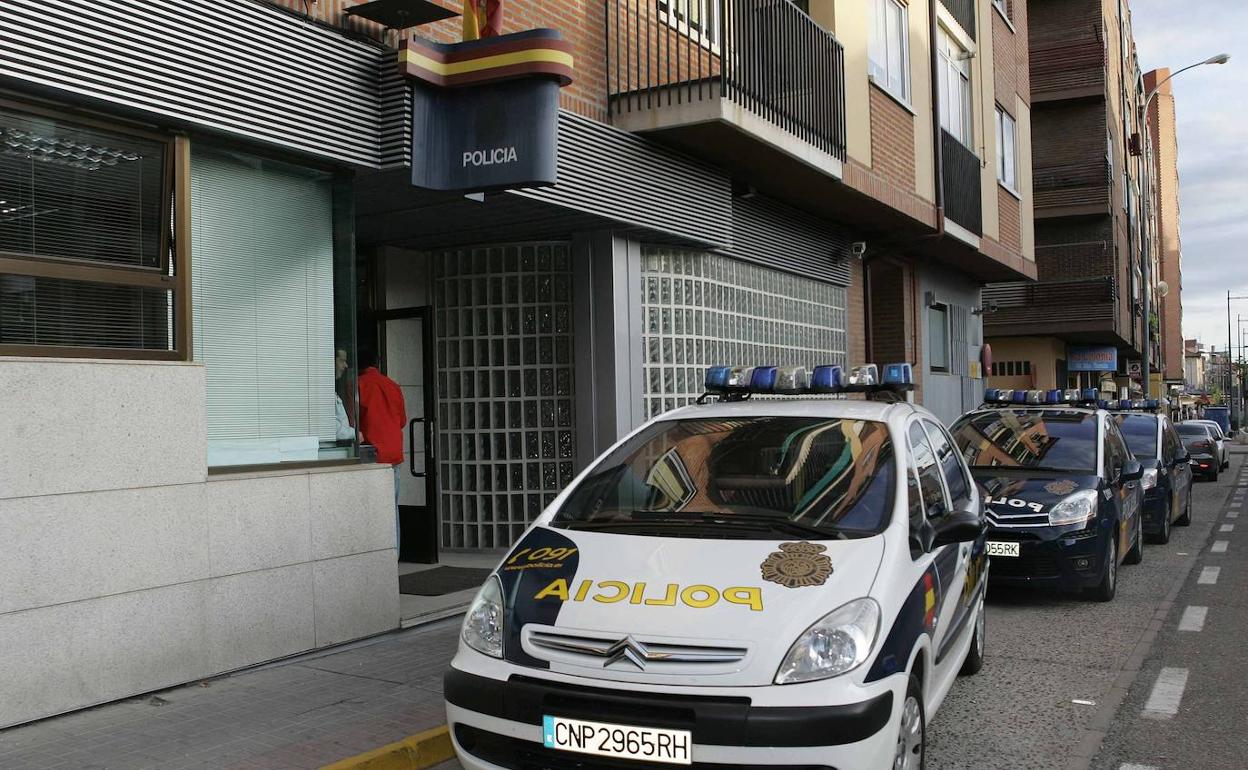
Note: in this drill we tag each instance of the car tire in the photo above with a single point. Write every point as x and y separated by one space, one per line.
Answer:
1136 554
1105 590
1214 476
975 656
911 752
1186 519
1163 537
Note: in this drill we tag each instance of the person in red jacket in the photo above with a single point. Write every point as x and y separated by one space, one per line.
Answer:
382 418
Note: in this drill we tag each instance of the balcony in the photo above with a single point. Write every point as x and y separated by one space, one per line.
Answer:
1084 309
1073 188
1068 63
964 12
961 184
756 84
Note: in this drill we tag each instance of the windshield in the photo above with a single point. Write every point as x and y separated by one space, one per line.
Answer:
758 477
1140 431
1040 440
1215 429
1190 432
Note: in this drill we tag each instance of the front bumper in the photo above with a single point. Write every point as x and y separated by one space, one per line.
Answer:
1063 560
497 725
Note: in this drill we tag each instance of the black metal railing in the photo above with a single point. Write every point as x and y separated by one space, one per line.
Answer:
964 12
962 185
768 56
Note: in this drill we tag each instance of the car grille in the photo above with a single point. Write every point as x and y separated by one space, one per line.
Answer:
637 653
1024 565
518 754
1012 518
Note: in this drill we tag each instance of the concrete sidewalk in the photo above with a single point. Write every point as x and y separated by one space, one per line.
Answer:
305 712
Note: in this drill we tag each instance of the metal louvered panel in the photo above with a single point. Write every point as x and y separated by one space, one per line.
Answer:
236 66
770 233
395 103
614 174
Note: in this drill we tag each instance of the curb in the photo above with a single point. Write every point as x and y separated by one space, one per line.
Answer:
415 752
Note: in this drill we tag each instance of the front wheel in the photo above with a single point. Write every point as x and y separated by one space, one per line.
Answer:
975 656
1105 590
1136 554
1186 518
912 733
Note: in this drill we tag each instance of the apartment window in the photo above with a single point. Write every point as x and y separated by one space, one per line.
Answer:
697 18
1003 6
1007 150
86 250
889 47
954 84
1011 368
273 289
938 337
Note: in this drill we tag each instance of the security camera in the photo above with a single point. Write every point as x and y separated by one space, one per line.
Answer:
858 248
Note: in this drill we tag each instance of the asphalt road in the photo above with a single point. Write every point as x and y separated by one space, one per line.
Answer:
1067 679
1065 675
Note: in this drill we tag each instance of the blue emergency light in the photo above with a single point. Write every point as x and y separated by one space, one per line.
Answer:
1054 397
1019 397
898 374
827 379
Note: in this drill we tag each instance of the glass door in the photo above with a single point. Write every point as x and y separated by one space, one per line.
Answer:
408 361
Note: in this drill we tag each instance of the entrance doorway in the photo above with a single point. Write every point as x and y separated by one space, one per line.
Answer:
408 355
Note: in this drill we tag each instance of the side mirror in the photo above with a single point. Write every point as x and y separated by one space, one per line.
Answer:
1131 471
959 526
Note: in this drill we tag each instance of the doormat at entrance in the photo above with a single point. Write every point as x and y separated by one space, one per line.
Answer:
442 580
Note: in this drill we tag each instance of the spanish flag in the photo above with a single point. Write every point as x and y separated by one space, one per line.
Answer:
482 18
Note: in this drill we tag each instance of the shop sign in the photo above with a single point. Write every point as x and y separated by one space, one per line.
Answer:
1092 358
485 112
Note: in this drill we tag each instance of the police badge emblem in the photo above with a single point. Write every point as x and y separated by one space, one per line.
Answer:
1064 487
797 565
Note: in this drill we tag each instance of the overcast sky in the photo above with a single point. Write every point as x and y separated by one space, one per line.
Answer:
1212 107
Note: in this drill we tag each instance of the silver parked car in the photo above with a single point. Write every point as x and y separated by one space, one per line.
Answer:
1223 440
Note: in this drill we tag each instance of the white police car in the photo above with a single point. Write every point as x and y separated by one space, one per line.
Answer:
750 583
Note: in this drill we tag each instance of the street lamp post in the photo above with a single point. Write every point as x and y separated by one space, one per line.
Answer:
1230 400
1221 58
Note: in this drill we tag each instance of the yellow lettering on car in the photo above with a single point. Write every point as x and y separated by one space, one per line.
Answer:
698 596
557 587
709 596
750 597
667 601
621 590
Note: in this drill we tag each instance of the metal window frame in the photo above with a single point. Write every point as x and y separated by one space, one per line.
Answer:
174 247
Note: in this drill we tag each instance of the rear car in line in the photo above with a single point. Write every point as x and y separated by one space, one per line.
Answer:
1064 503
1223 441
1167 479
1202 445
748 583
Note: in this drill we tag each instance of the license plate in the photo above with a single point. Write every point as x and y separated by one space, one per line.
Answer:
648 744
1002 549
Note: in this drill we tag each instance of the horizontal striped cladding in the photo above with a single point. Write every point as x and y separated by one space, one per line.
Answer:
234 66
395 108
772 234
614 174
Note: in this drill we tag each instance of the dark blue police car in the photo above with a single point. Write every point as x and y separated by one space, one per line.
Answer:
1167 480
1064 499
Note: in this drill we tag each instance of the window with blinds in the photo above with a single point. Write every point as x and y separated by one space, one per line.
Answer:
262 235
86 266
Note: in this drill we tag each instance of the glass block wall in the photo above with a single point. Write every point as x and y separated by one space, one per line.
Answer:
506 441
703 309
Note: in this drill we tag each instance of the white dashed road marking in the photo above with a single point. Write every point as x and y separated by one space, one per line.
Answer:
1137 767
1208 576
1219 546
1193 619
1163 701
1227 528
1233 515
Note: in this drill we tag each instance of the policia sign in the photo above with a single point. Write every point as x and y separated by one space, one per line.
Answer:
485 112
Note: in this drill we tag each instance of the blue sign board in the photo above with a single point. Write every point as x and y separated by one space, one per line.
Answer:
1092 358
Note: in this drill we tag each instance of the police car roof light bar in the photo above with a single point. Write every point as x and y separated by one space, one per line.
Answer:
737 383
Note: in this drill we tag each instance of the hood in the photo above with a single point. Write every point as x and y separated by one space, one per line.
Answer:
672 609
1025 496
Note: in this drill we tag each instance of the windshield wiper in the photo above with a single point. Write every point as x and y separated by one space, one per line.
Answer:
1034 469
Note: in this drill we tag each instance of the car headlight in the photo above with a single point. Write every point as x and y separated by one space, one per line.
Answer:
1075 509
483 625
837 644
1149 479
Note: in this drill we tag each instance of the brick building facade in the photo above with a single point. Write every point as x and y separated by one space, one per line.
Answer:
1162 130
1087 91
